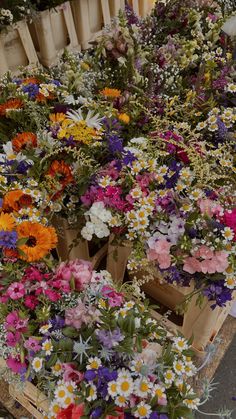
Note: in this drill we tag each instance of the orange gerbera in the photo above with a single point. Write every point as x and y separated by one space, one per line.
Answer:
10 105
15 200
23 141
41 240
29 80
41 98
113 93
7 222
61 171
57 117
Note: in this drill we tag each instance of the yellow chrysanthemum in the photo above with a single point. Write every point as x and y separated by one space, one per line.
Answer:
7 222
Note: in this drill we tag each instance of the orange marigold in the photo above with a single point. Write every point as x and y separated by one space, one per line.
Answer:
29 80
41 240
108 92
23 141
57 117
7 222
15 200
10 105
61 171
124 117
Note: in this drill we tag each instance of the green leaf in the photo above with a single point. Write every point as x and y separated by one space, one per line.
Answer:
52 361
70 332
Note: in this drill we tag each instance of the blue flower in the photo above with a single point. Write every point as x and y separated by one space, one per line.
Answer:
8 239
90 375
31 89
96 413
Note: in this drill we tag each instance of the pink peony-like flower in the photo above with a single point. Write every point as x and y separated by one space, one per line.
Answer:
16 290
13 338
115 299
204 252
159 250
15 364
210 262
78 270
71 373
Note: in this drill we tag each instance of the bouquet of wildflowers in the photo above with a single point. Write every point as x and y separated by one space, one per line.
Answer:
174 222
94 352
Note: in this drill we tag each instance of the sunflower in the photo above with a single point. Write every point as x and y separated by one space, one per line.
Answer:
40 241
11 104
23 141
112 93
61 171
7 222
15 200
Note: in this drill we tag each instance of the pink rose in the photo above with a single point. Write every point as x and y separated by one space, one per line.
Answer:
78 270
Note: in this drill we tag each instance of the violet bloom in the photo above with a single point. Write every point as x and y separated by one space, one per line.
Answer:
31 89
219 293
8 239
109 339
96 413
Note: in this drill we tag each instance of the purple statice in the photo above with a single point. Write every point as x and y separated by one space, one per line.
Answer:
131 16
219 293
31 89
109 338
222 130
8 239
115 144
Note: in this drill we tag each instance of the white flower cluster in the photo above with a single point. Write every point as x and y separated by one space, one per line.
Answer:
97 217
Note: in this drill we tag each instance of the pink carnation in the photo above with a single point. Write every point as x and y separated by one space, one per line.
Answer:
30 301
209 207
16 290
15 364
13 338
32 345
192 265
81 314
115 299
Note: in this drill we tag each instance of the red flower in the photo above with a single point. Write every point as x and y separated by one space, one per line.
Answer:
71 412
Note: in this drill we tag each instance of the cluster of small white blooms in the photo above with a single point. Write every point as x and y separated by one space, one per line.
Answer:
98 217
46 89
185 180
64 396
230 276
31 214
227 116
5 14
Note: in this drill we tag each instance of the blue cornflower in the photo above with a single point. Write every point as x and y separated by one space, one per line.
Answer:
31 89
8 239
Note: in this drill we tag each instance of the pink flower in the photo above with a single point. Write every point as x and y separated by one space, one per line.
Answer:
159 250
15 364
204 252
78 270
209 207
52 295
13 338
16 290
71 373
33 274
30 301
192 265
81 314
12 320
229 219
32 344
221 261
115 299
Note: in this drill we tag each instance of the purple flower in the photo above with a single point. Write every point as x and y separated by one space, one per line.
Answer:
57 323
8 239
128 158
96 413
31 89
109 339
115 144
33 345
219 293
90 375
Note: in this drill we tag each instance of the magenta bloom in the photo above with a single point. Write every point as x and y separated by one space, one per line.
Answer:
30 301
16 291
13 338
115 299
12 320
229 219
15 364
32 344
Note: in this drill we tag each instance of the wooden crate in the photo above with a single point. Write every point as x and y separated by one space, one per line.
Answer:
16 48
32 399
66 236
52 32
202 323
117 258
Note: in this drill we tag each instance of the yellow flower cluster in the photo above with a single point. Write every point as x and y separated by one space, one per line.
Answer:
78 130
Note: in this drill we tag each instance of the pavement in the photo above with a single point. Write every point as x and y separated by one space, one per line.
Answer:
224 396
